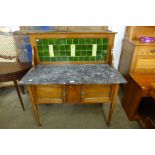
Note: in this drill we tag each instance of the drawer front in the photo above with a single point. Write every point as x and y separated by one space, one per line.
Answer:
49 93
95 93
144 64
146 50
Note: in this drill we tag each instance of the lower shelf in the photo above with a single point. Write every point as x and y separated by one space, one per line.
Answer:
146 112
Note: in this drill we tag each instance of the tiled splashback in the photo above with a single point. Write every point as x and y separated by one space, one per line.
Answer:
72 49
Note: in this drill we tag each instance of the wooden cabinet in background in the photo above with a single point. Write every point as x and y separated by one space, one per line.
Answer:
137 57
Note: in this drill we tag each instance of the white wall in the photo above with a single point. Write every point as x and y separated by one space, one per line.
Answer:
118 42
9 28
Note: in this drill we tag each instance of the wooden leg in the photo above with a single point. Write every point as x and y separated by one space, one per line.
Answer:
36 114
114 94
22 89
34 105
18 92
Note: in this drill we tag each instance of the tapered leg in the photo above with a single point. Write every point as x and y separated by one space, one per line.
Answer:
36 114
22 89
18 92
114 95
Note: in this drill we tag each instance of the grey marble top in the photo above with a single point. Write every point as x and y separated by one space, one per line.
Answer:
73 74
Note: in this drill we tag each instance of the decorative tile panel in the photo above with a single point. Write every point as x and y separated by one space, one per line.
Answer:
72 49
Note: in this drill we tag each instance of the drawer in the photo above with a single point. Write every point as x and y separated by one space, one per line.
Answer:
144 64
146 50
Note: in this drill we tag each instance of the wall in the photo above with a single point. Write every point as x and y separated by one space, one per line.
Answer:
118 42
9 28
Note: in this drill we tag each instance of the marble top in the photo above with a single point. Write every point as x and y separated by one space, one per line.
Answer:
73 74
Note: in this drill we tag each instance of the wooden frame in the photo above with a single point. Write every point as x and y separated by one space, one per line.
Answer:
70 93
34 36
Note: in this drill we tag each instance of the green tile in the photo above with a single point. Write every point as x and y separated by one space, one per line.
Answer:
92 58
57 41
68 53
89 47
58 58
104 57
45 41
63 58
89 53
41 54
77 53
47 59
100 41
99 47
67 47
98 58
55 47
87 58
94 41
83 53
99 52
41 58
88 41
69 41
51 41
75 41
70 58
40 48
83 47
81 58
62 53
46 53
81 41
104 52
46 48
56 53
105 41
76 58
53 59
63 41
105 47
62 47
78 47
39 42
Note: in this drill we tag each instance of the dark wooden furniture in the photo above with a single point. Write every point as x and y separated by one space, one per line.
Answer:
13 71
137 91
152 92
